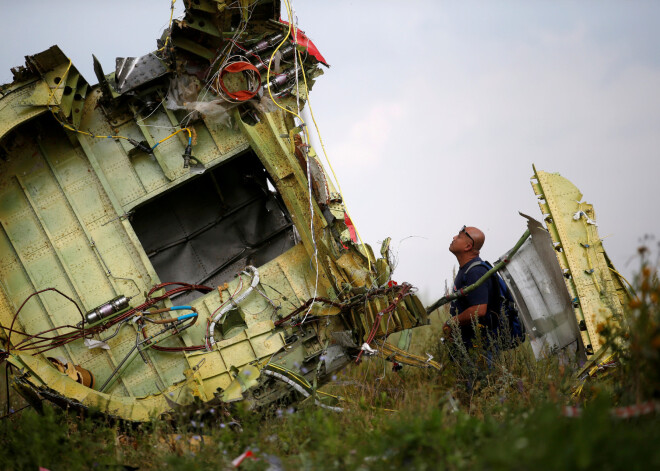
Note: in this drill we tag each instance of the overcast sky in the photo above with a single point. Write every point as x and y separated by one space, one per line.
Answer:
434 112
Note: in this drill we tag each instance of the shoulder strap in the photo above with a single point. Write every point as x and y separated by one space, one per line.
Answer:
504 290
476 263
470 267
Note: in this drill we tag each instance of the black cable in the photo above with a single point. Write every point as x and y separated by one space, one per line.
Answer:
15 412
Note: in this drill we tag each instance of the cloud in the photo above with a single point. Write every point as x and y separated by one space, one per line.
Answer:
370 135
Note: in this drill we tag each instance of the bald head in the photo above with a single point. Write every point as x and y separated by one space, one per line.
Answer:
467 243
477 236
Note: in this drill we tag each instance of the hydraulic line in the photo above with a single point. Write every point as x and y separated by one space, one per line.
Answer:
233 303
297 383
149 342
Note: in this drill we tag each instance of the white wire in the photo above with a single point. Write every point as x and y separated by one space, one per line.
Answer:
295 61
293 18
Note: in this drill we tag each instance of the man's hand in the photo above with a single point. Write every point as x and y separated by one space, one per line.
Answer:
446 330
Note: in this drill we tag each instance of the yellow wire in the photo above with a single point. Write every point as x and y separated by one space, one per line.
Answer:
288 33
318 132
94 136
592 371
174 134
65 125
304 126
71 128
167 39
52 92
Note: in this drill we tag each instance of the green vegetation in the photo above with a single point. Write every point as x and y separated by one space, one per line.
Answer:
469 416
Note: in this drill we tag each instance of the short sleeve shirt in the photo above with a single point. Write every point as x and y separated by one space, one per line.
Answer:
487 293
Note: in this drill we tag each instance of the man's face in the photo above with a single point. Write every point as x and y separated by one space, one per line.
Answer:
460 242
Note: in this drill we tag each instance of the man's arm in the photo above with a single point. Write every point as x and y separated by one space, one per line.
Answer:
465 317
477 298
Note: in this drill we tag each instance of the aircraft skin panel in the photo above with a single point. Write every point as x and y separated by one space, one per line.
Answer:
579 250
537 285
14 113
256 343
217 190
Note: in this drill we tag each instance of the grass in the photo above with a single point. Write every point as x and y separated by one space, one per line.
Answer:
508 416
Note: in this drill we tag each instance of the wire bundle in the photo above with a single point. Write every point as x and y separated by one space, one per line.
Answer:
41 342
252 77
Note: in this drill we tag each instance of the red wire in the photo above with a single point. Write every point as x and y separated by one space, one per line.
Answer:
11 327
236 67
372 333
63 339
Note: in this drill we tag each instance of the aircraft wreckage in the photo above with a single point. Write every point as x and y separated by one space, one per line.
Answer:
169 235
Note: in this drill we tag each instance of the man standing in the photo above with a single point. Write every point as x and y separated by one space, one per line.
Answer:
484 303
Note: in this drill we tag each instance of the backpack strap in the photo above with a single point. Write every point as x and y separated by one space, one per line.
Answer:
504 291
470 267
474 264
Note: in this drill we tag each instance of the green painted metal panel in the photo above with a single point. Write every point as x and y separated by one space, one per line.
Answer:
66 199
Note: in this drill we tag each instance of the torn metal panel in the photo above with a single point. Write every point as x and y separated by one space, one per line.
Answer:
592 286
184 191
133 72
536 283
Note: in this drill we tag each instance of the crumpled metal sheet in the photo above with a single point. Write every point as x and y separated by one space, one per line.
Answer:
536 283
64 224
131 72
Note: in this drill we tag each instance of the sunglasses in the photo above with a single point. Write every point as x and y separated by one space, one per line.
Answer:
466 233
